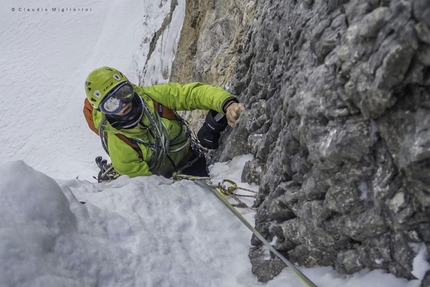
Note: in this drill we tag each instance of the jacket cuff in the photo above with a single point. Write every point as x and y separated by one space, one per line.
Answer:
227 103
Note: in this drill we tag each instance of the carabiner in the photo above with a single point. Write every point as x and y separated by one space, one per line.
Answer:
227 190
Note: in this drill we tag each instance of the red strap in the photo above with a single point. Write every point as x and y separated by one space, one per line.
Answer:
134 145
164 111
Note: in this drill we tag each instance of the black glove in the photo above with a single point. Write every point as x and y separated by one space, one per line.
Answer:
210 132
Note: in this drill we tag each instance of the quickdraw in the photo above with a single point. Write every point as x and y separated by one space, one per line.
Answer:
107 171
229 190
226 187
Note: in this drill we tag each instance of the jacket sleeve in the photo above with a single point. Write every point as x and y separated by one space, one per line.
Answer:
126 160
190 96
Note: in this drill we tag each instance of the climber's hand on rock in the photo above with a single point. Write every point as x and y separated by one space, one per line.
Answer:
233 112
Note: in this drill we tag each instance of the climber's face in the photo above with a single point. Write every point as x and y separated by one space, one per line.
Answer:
126 108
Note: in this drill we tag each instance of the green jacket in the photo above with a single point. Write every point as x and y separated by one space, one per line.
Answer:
191 96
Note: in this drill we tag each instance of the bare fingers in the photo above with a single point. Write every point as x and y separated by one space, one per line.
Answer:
233 113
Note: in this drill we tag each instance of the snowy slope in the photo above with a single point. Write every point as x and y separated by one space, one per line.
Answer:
147 231
46 56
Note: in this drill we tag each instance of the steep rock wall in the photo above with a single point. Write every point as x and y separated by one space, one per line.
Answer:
338 99
210 43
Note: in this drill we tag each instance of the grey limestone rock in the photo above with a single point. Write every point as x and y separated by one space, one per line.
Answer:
338 121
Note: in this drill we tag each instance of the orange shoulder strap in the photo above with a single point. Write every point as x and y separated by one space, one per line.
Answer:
131 143
88 113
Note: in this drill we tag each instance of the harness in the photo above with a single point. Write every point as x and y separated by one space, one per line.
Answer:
161 147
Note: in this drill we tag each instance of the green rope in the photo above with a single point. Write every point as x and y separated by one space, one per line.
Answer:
205 183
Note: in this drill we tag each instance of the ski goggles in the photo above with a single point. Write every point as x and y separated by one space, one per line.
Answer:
114 100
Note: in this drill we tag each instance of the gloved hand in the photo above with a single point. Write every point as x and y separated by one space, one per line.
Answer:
210 132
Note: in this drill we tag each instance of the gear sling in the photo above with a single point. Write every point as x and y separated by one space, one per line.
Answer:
162 111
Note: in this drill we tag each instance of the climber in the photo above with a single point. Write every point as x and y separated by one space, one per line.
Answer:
140 129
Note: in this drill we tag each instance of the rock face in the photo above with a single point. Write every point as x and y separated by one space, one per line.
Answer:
210 44
338 120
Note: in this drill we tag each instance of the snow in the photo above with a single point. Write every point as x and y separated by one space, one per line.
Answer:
58 227
420 263
364 190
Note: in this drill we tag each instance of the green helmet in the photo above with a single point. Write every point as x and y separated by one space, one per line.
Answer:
100 81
